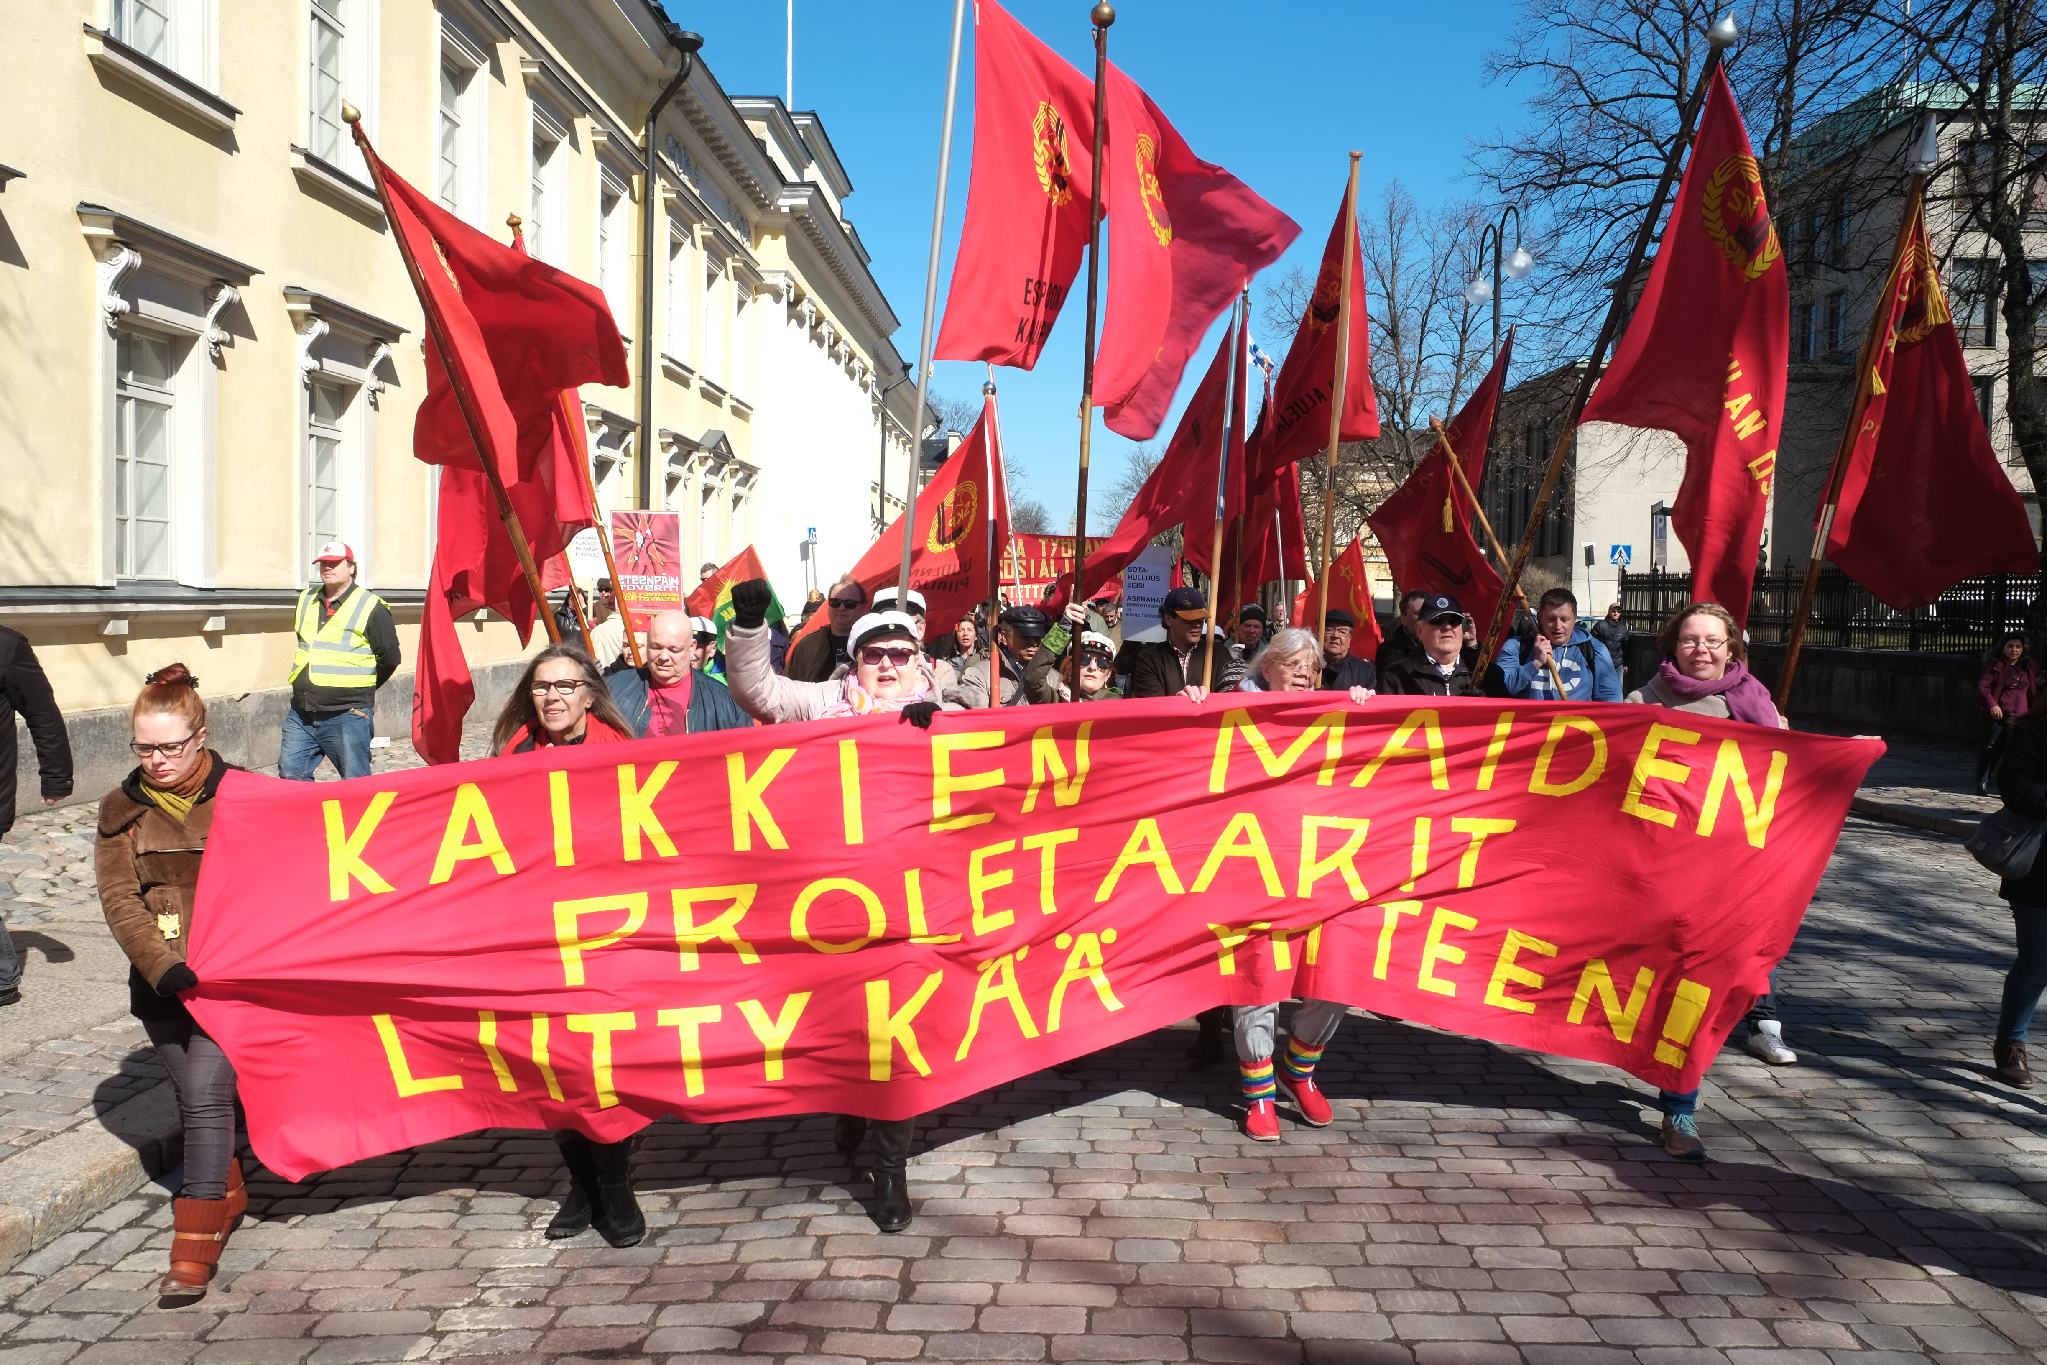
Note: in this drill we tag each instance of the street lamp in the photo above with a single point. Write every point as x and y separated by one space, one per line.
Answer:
1513 265
881 479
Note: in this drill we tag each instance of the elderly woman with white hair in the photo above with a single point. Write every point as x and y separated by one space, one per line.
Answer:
1291 662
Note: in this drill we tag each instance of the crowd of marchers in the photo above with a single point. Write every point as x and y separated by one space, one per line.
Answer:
873 658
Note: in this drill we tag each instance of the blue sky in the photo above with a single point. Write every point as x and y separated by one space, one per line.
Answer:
1279 93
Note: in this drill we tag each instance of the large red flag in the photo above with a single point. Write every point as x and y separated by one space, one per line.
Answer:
1199 535
1027 205
1184 237
1350 589
1706 352
1300 421
1924 503
1425 527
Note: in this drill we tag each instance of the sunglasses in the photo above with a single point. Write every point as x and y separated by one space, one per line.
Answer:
1094 658
875 655
847 603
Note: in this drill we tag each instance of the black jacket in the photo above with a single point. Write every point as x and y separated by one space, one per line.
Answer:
1416 675
1155 670
1348 672
24 691
2022 778
1398 644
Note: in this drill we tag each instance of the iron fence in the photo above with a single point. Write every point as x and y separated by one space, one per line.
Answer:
1968 618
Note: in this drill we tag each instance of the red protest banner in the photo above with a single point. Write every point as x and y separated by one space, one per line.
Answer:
877 920
648 548
1036 562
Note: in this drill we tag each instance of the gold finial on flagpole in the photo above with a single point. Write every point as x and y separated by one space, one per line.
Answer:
349 113
514 221
1103 14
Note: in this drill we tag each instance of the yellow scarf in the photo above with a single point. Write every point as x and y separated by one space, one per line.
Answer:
177 802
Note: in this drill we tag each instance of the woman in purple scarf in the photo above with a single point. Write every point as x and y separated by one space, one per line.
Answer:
1703 673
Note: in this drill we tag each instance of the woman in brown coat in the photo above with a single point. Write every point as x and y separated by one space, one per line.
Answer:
152 831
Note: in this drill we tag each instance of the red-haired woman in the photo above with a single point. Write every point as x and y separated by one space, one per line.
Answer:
152 831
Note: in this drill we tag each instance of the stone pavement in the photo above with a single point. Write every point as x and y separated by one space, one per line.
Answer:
1879 1202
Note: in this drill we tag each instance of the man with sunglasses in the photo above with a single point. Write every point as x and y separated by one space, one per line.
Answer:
1095 663
1168 667
1019 639
822 653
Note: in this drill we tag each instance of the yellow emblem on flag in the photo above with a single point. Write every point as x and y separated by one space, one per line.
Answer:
1048 149
1736 217
1148 190
954 517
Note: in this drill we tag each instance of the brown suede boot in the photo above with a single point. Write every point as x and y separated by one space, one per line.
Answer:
2011 1064
200 1232
237 1193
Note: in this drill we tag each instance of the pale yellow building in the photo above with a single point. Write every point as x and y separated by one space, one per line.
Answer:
212 355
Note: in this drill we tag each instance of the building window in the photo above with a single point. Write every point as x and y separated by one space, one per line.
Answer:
1837 243
612 235
742 338
324 136
1972 298
448 167
1805 331
460 124
547 190
174 33
676 330
326 412
1837 322
144 419
714 316
145 25
1986 396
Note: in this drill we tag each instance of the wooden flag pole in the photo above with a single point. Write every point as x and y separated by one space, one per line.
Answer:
464 399
576 602
1865 372
1499 553
1102 16
998 487
1719 37
1340 380
1222 483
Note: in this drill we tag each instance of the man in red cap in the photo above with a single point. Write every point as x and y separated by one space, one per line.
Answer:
347 649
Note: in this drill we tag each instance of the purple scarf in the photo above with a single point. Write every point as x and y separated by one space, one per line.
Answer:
1747 699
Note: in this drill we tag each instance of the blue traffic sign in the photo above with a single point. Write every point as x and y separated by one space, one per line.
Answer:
1622 555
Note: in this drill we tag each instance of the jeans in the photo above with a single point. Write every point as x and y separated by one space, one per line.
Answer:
2028 974
1765 1006
10 962
1676 1106
205 1082
343 737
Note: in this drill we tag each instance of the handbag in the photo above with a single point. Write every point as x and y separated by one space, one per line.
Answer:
2006 843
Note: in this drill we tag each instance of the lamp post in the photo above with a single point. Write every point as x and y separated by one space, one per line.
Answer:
1512 265
881 478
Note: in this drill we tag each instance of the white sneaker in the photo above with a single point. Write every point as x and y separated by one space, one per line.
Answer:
1766 1040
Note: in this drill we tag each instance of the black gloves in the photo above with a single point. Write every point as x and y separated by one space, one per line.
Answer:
750 602
919 713
177 979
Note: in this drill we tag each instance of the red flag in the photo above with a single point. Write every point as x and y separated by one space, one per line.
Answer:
1300 423
1199 535
1027 205
1924 503
1350 589
1706 351
1425 527
1184 237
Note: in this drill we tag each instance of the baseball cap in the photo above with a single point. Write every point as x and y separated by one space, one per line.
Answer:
1186 603
1438 605
334 552
1338 617
1027 621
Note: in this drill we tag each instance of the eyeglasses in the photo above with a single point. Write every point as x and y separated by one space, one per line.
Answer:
875 655
1706 642
566 687
171 750
847 603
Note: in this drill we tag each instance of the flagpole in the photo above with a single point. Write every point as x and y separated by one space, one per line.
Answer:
1101 16
1499 552
1339 380
1222 484
1719 38
998 486
464 399
1243 518
1865 368
926 339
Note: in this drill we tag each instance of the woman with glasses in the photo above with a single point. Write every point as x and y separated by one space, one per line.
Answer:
152 831
888 680
1094 663
560 700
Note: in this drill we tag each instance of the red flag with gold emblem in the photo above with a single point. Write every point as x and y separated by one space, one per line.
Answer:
1924 503
1184 237
1350 589
1706 353
1027 205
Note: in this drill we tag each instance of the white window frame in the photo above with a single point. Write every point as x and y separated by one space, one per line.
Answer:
191 36
355 22
547 185
675 333
614 241
743 313
717 275
464 64
351 474
127 398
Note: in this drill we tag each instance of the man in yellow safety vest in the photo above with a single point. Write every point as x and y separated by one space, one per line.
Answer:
347 649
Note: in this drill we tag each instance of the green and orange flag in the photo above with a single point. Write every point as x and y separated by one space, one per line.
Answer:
713 597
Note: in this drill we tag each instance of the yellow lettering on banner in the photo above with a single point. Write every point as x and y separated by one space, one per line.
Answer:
1650 768
1314 944
345 847
1047 846
1479 830
774 1033
1538 781
1505 970
980 882
1144 846
538 1052
1084 963
1227 938
469 811
1736 404
1252 846
401 1070
688 1024
1328 727
1343 862
1728 770
997 982
748 807
1687 1009
722 928
849 792
945 784
886 1030
913 898
1430 726
636 809
1282 950
567 935
564 827
799 914
1497 746
1047 762
1597 982
1393 910
487 1038
600 1027
1418 857
1434 950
